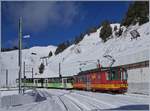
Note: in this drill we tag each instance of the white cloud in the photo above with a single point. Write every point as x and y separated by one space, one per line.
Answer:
15 42
37 15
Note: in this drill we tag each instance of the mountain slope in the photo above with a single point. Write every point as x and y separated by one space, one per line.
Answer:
91 48
9 60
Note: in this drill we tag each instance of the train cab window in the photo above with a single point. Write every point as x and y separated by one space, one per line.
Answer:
124 74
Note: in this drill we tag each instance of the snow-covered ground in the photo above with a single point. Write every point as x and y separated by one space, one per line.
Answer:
73 100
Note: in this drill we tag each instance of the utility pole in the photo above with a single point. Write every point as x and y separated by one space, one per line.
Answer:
24 77
60 70
6 78
32 73
20 53
24 72
98 61
32 78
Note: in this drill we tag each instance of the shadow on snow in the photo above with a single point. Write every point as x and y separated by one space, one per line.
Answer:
133 107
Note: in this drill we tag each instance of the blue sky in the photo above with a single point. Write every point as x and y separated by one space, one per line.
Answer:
51 23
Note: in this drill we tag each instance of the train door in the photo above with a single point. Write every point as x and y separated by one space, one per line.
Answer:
64 82
46 83
42 82
88 82
36 82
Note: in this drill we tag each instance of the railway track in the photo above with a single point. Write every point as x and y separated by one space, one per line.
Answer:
81 105
61 101
67 109
74 103
100 104
122 99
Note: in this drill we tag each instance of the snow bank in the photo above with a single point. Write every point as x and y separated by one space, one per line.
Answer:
12 98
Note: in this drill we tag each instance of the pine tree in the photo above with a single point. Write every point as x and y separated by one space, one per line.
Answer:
61 47
119 32
41 68
137 12
50 54
91 30
79 38
115 28
106 30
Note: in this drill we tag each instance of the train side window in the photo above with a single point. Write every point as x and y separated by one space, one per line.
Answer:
82 78
108 76
38 80
112 75
88 78
76 79
98 76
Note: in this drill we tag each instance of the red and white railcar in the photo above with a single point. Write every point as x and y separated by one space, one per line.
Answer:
112 79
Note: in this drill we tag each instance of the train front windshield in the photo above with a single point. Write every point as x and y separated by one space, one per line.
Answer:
124 74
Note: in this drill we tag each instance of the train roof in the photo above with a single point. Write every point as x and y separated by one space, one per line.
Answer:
52 77
98 69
